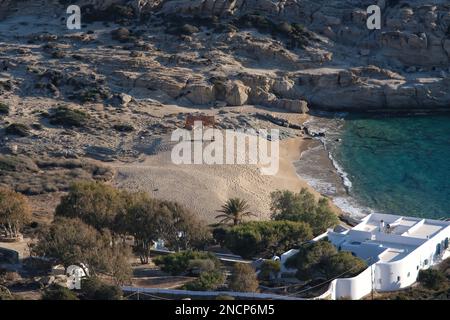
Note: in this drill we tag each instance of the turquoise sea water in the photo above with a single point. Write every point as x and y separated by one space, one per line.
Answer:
398 165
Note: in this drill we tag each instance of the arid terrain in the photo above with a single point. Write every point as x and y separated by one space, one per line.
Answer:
101 102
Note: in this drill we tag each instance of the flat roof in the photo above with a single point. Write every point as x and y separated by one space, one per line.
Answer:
391 237
425 231
405 226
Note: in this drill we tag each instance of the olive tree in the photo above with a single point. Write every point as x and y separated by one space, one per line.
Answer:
72 242
15 212
303 207
97 204
243 278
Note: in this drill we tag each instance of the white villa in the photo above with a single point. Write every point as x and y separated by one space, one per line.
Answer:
395 247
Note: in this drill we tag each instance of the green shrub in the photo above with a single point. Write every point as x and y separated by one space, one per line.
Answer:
186 29
197 266
265 238
322 260
68 117
94 289
9 163
432 279
123 127
56 292
185 261
207 281
4 109
121 34
18 129
269 268
96 94
303 207
243 278
37 126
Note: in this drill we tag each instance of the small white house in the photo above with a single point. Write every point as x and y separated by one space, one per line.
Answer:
396 249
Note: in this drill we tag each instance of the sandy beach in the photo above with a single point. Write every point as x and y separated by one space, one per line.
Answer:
204 188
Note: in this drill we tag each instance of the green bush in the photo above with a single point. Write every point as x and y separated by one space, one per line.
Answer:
56 292
9 163
123 127
269 268
207 281
4 109
197 266
186 29
94 289
322 260
96 94
18 129
243 278
432 279
303 207
68 117
265 238
185 261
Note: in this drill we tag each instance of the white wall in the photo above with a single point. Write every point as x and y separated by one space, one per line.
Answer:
353 288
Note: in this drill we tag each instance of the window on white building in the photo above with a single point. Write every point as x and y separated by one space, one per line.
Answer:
409 274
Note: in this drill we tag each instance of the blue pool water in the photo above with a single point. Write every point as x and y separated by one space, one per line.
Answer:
398 165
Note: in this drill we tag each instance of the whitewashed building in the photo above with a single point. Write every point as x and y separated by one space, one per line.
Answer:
396 249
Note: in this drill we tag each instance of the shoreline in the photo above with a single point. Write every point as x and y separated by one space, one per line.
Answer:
319 167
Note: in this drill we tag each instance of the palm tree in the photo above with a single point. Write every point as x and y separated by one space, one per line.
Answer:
234 210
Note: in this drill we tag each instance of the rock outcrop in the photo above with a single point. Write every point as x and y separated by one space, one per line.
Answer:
289 54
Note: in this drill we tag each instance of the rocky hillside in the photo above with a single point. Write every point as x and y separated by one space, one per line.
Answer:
114 90
272 53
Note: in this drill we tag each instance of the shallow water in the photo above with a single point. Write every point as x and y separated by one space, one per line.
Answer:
398 165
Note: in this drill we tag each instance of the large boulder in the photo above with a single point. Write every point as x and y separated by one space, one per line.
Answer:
237 93
297 106
283 87
200 93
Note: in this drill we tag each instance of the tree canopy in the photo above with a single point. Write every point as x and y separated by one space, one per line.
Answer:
234 211
15 212
302 206
186 261
72 242
148 220
95 203
243 278
207 281
322 260
137 214
265 238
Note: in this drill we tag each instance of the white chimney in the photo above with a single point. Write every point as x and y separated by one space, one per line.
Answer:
382 226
